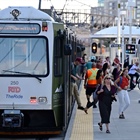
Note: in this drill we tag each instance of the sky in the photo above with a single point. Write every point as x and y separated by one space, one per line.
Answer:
46 4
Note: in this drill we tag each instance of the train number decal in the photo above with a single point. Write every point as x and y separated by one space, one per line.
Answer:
14 83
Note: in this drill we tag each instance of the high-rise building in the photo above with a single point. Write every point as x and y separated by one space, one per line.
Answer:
138 9
101 2
104 16
112 6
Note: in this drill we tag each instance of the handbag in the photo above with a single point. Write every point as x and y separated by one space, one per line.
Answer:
95 95
113 64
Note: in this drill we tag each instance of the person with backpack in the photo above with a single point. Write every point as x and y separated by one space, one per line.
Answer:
122 84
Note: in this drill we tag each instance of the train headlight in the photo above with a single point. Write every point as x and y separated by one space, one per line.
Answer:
15 13
42 100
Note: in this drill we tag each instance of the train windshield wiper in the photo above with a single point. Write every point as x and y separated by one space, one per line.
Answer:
24 74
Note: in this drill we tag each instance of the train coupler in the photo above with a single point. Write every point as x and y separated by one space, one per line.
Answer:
12 118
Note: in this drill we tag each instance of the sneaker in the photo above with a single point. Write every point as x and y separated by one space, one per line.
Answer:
121 116
81 108
94 106
88 104
107 131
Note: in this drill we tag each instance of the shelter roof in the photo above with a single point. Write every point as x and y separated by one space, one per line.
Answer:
111 32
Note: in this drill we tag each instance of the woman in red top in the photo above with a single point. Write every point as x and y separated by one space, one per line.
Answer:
122 84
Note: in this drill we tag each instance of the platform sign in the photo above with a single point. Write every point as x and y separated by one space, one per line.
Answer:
115 45
130 48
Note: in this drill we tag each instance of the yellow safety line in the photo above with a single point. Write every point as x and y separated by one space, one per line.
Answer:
83 123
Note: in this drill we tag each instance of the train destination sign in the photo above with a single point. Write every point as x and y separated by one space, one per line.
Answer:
19 28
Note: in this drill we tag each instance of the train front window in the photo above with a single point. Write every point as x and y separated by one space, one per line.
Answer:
22 54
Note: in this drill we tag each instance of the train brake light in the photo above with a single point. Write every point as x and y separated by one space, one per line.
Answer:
44 26
33 100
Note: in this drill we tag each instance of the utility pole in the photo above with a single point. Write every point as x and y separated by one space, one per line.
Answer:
92 32
39 6
118 29
131 6
123 13
130 21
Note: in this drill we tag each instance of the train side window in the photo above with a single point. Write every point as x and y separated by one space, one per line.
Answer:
58 44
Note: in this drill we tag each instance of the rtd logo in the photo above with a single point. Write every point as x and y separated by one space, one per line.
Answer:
14 89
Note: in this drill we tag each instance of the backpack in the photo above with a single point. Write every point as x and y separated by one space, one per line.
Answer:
120 82
95 95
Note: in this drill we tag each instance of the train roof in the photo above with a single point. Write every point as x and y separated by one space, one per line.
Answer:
25 13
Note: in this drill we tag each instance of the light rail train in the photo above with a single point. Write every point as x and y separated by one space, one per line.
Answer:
35 58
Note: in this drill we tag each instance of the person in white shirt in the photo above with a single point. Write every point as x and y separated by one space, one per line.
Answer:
134 72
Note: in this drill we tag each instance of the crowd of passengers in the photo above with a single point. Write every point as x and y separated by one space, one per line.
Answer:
104 81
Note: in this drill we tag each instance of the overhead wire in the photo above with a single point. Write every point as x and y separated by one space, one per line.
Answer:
83 3
79 3
64 6
55 11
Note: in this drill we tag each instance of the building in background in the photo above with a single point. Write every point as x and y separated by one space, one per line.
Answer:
138 10
101 3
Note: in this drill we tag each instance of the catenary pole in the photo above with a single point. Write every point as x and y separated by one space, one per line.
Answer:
118 27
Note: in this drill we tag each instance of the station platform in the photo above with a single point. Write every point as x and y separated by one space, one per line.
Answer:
85 126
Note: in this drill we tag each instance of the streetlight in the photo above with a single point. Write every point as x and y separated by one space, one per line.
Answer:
131 5
118 28
118 25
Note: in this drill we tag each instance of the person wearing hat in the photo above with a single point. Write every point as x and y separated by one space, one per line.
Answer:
90 83
116 61
74 78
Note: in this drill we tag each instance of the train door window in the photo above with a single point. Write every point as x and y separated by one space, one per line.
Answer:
58 56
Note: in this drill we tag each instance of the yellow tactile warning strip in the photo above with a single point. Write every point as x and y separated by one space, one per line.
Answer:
83 123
